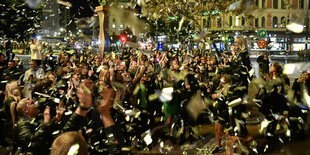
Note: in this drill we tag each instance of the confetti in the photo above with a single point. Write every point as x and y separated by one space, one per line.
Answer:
64 3
74 149
266 147
33 3
195 105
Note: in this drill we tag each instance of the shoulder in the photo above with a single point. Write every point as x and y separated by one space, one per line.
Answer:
28 71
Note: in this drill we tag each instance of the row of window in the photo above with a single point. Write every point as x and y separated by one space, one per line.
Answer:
275 22
275 4
120 26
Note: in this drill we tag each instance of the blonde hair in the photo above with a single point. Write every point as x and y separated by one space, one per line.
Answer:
8 89
241 42
17 109
65 141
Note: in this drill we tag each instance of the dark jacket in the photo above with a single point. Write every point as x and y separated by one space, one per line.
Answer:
32 135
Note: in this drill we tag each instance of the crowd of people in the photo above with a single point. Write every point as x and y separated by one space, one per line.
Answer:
109 104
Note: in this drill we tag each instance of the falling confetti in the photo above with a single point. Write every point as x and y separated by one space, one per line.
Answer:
33 3
266 147
201 35
195 105
64 3
234 6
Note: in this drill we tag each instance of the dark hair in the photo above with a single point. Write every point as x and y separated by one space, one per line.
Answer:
278 68
11 61
43 85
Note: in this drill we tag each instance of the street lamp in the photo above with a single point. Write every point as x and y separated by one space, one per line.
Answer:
307 25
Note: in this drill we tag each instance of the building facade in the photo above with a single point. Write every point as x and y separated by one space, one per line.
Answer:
272 16
50 22
121 23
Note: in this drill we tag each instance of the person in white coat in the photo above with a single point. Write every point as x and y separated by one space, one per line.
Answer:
35 49
31 77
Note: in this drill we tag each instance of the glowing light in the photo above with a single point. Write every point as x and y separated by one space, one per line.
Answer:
295 27
123 38
38 37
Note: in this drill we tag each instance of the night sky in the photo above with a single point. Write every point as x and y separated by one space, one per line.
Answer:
83 8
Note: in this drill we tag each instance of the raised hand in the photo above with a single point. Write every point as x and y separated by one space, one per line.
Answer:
60 109
84 93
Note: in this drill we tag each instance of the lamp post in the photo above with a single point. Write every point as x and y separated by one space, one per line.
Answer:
307 26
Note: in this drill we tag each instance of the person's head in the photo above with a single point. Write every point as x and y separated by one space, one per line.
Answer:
240 43
51 76
261 53
305 76
201 69
203 60
24 107
12 89
126 77
16 59
33 64
73 141
34 41
11 64
97 61
43 86
2 57
69 64
84 68
77 74
51 52
276 68
225 79
143 78
266 57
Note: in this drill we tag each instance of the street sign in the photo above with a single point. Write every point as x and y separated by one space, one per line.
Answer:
262 43
262 34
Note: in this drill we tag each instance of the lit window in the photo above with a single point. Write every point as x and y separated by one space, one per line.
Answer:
121 26
275 22
237 21
283 22
113 26
219 22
